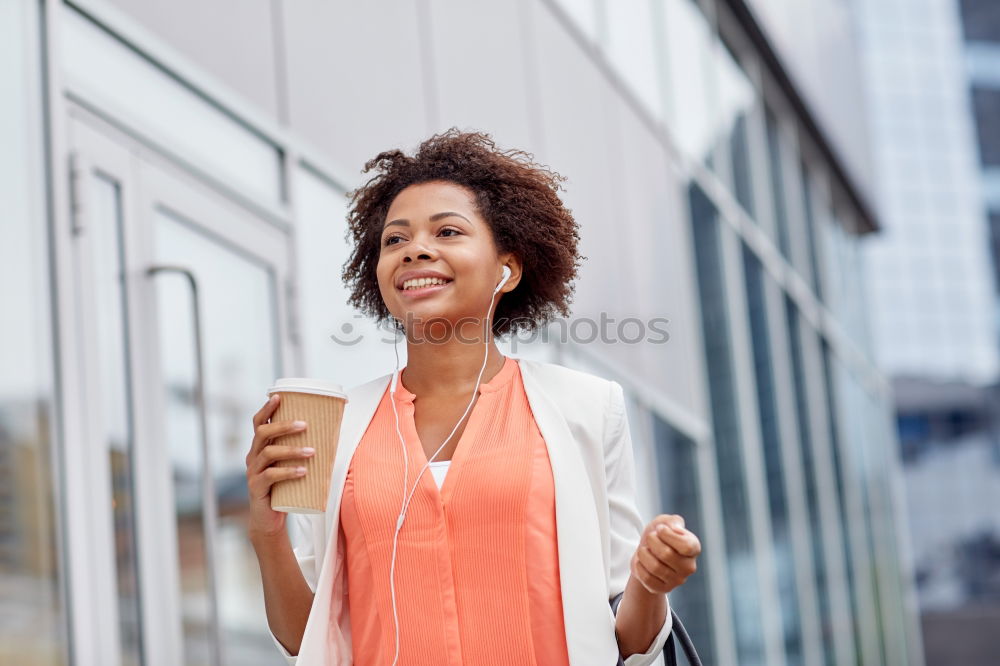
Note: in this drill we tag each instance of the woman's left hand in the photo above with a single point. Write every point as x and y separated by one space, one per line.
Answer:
666 555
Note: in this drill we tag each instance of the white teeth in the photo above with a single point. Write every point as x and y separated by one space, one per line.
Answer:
422 282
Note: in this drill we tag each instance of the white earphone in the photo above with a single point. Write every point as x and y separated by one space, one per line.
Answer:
408 496
503 280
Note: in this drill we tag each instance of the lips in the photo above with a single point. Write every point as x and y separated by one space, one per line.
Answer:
418 274
424 290
417 283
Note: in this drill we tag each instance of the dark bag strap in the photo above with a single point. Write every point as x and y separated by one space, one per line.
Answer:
678 631
678 635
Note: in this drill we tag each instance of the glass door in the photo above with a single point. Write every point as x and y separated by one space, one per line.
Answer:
180 295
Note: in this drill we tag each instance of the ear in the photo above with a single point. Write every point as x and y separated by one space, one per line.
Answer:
511 261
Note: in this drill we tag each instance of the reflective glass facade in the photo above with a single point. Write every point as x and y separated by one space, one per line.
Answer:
742 581
677 471
811 472
770 430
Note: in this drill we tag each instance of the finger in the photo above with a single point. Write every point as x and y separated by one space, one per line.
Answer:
658 544
671 521
685 543
679 564
275 452
260 484
268 431
653 565
264 413
651 582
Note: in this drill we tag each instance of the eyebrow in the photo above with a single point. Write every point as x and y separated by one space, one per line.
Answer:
434 218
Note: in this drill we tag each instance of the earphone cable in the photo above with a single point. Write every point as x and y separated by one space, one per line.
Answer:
407 497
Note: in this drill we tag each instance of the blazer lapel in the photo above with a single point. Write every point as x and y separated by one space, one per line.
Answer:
587 614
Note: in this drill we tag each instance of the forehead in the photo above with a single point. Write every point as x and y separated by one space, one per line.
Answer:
430 197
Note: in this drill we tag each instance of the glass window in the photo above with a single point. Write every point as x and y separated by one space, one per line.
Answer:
843 272
32 617
810 224
741 564
981 20
994 219
771 443
986 104
676 461
810 474
886 532
862 441
737 97
854 313
839 457
687 39
237 299
830 236
774 154
106 243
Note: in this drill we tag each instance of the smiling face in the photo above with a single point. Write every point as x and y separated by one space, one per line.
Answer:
434 233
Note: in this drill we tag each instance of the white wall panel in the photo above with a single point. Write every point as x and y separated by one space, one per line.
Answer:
355 78
231 39
480 64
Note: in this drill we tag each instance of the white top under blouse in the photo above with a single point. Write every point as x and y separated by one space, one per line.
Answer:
439 468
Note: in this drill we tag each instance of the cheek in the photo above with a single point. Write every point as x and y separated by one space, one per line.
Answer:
383 275
386 290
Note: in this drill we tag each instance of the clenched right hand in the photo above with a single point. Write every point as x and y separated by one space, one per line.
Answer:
262 473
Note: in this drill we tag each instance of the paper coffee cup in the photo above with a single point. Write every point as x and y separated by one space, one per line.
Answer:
321 405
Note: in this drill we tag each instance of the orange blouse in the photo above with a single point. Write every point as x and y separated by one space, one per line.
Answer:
477 569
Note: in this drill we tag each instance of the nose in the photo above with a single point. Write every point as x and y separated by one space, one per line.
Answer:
418 250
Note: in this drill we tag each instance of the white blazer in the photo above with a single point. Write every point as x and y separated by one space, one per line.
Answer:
583 422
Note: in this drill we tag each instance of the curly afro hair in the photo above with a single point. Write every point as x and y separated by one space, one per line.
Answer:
517 198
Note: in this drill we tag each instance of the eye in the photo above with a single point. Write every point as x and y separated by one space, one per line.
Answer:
391 237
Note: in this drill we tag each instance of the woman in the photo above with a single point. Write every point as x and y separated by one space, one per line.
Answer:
522 543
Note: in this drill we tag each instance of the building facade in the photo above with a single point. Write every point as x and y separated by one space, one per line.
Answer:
175 195
932 289
931 76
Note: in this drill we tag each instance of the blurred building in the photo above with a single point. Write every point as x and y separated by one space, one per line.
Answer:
174 236
932 79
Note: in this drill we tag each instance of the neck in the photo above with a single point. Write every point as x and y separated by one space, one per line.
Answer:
449 369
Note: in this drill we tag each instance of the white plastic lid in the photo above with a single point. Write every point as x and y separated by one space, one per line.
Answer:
295 509
308 385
